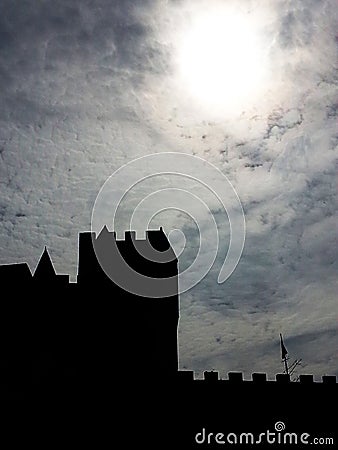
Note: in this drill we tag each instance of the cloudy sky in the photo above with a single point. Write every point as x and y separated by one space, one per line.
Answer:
248 85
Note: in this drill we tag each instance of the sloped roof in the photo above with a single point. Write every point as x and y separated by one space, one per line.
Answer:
14 272
45 268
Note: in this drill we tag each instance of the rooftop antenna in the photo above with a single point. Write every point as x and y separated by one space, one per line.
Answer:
284 354
289 370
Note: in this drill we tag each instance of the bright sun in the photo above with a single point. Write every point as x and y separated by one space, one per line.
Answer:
221 59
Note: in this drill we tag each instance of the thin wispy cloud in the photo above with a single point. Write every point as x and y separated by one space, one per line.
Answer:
87 86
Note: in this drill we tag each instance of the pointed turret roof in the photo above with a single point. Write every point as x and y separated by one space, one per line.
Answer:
45 268
103 233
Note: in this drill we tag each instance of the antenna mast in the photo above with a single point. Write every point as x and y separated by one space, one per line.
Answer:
289 370
284 354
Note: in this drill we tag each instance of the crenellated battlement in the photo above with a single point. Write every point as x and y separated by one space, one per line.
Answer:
77 325
79 332
101 254
188 376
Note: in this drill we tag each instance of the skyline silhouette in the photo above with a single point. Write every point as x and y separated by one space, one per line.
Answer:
94 340
93 282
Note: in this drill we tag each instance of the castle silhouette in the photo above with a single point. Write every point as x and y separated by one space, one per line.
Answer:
72 333
97 341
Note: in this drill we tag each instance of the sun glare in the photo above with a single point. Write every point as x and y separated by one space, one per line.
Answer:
221 59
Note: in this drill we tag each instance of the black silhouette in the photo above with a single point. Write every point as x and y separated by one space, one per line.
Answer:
114 350
75 334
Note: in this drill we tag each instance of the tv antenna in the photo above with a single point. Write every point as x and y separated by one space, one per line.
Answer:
289 370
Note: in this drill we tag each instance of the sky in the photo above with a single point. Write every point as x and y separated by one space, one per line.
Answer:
250 86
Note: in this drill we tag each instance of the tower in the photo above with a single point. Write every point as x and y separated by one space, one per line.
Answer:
131 333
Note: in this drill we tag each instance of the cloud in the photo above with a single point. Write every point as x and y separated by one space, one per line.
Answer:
87 86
